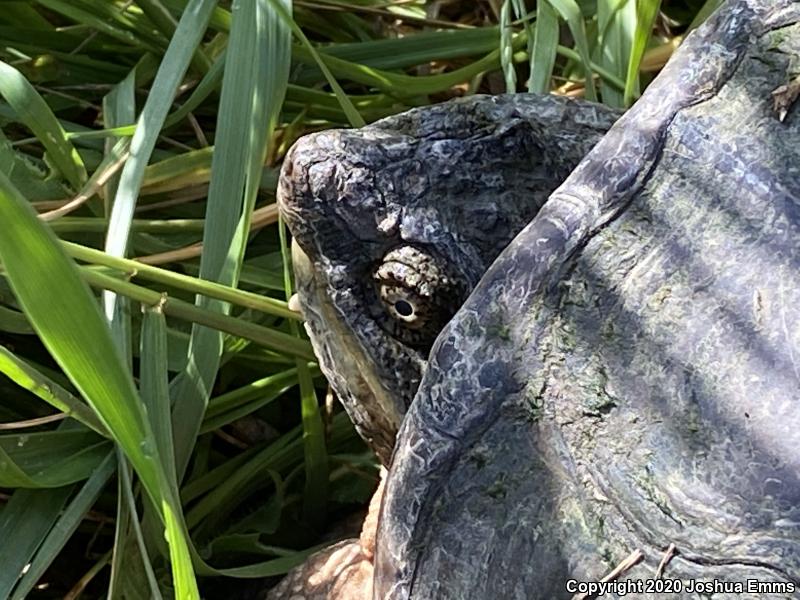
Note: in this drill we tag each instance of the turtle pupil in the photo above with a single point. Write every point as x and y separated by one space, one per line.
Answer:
403 308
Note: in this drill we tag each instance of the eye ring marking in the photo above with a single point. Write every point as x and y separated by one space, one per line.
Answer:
418 293
403 308
403 305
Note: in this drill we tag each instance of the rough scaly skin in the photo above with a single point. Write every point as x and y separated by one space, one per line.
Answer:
455 182
627 373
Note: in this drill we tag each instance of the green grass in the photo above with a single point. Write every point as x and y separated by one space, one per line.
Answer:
162 422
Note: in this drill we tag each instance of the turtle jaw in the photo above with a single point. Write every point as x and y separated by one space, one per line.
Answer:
373 209
347 361
329 204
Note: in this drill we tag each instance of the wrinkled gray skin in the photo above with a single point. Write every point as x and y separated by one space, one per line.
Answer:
414 208
626 375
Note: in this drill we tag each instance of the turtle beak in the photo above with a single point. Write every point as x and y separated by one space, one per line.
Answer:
374 410
334 238
293 186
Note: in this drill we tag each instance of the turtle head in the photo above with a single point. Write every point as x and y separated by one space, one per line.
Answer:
394 224
378 267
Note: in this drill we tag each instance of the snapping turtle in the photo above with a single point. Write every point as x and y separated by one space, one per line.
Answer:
393 226
395 223
626 375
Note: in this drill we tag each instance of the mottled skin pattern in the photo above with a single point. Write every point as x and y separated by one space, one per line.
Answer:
627 373
456 182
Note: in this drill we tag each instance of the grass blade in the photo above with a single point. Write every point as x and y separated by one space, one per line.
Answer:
66 524
50 458
110 26
205 317
119 107
128 497
506 48
545 46
124 558
253 86
48 390
571 13
170 74
243 401
243 298
34 263
24 522
37 116
356 120
12 321
315 454
521 13
616 23
75 333
646 13
154 385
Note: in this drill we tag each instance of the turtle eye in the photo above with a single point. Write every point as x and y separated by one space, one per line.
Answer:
417 294
404 305
404 308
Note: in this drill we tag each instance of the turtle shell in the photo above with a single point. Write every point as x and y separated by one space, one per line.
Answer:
626 375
